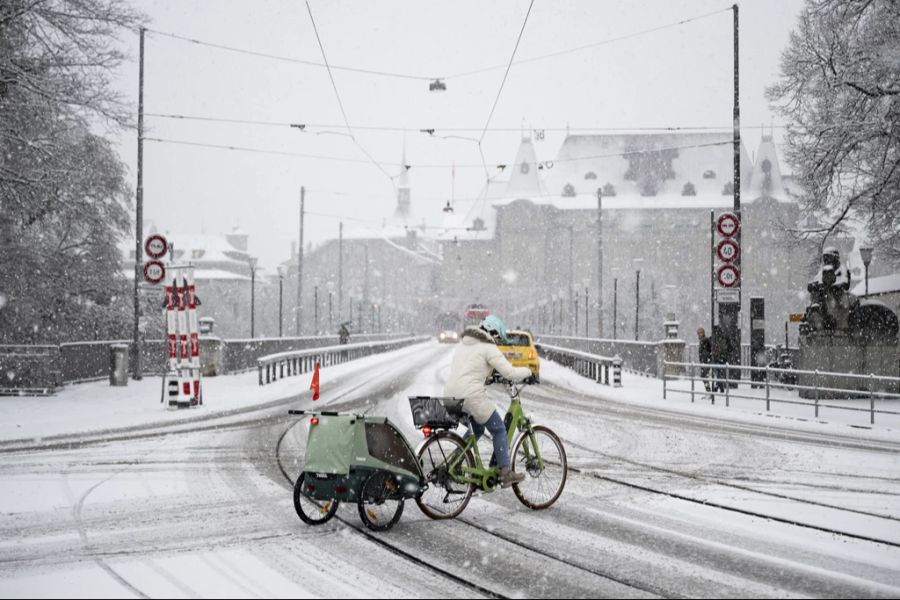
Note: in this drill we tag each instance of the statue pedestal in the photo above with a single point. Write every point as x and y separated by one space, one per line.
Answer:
840 353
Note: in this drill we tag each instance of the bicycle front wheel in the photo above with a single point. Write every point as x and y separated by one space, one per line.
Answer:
540 455
442 459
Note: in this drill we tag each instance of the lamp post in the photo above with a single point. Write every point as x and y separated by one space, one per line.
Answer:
615 307
599 264
316 310
252 262
866 254
637 296
280 300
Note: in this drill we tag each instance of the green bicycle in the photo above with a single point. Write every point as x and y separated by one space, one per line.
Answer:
453 467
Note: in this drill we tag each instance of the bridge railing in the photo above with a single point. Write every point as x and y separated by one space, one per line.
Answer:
296 362
602 369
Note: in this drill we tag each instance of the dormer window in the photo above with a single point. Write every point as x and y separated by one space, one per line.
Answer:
609 190
709 174
568 191
197 254
689 189
728 190
590 175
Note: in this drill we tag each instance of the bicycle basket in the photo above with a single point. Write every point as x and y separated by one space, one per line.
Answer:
436 412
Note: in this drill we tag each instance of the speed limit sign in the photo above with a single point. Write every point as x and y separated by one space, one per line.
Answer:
728 224
728 250
155 246
728 276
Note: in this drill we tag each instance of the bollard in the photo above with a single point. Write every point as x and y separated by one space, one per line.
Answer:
617 371
691 372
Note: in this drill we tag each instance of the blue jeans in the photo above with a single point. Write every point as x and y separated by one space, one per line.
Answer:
498 433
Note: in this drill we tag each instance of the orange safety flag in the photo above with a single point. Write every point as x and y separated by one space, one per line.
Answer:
314 386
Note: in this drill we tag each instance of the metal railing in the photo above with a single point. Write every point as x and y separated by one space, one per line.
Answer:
296 362
774 379
602 369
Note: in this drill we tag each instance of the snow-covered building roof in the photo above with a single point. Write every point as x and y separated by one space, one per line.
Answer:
886 284
646 164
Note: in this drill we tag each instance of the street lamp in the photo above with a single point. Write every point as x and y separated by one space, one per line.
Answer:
637 295
866 254
280 300
252 262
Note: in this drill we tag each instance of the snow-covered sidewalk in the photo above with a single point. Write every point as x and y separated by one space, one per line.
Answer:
97 406
638 390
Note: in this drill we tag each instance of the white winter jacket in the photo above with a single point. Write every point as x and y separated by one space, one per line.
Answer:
474 361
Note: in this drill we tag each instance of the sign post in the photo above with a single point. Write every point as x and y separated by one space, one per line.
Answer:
728 279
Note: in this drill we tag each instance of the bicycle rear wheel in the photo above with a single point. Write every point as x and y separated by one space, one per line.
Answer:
445 497
543 482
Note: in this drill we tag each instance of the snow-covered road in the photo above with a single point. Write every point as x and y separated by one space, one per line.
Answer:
660 501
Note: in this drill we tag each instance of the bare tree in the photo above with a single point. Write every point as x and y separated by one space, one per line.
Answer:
63 190
840 91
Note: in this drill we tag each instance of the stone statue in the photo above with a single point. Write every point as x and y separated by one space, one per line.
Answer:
830 299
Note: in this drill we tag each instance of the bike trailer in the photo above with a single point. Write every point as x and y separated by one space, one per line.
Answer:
344 451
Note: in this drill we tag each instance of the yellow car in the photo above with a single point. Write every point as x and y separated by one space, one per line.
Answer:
520 352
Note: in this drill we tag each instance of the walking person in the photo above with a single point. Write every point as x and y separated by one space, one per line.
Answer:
705 349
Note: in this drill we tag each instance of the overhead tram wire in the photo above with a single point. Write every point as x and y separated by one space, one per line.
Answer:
501 166
300 61
435 131
341 104
397 75
591 45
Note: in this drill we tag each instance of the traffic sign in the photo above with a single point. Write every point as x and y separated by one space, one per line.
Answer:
795 317
728 276
154 271
728 224
728 296
728 250
155 246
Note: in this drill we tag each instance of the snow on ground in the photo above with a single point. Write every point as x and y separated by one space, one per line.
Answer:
97 406
638 390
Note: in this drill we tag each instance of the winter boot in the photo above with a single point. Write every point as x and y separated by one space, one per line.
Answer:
509 477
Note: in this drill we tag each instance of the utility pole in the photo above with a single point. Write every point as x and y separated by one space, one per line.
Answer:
139 224
341 270
615 307
637 303
599 264
299 310
316 310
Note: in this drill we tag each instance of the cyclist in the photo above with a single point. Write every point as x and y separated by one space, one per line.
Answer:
474 361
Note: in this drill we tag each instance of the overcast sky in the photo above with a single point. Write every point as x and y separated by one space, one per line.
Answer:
675 76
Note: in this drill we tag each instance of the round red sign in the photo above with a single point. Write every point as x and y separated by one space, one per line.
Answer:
155 246
154 271
728 276
728 224
728 250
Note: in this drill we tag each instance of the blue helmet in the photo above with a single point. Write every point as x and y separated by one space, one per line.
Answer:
495 325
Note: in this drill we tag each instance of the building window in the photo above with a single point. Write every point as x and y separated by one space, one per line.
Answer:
568 191
709 174
590 175
689 189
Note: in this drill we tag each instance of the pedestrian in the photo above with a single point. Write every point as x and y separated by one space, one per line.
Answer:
705 347
721 354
